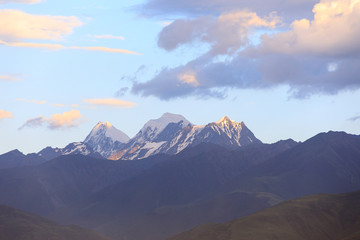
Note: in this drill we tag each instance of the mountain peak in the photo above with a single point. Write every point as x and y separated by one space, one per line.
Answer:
225 120
108 130
154 127
105 124
160 123
172 117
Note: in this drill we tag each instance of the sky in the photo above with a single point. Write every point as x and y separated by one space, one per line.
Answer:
288 69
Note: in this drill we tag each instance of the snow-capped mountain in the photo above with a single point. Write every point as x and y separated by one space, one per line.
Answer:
169 134
105 139
176 136
49 153
153 128
152 135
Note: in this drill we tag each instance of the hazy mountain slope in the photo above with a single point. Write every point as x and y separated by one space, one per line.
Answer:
194 177
171 219
325 217
19 225
64 181
326 163
17 159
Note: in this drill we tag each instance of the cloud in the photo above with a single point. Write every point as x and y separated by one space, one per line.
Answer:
58 105
355 118
20 25
121 92
20 1
225 33
5 114
34 122
31 101
319 56
110 102
105 49
52 46
108 36
334 31
10 78
64 120
292 9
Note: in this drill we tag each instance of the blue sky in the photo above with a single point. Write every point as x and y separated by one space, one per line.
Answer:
287 69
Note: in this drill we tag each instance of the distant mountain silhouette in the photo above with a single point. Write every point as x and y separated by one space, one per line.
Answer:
326 163
191 181
162 195
64 181
16 158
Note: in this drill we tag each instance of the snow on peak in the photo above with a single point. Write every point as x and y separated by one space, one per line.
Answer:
226 120
159 124
107 124
155 126
108 130
102 125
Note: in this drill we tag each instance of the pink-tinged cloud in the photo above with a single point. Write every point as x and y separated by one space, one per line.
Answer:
20 25
106 49
65 120
58 105
225 34
108 36
110 102
40 102
52 46
10 78
5 114
318 54
289 9
20 1
334 31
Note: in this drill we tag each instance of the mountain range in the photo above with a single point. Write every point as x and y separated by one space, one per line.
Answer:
169 134
181 176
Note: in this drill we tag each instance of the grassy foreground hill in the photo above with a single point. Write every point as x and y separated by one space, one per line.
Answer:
19 225
314 217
